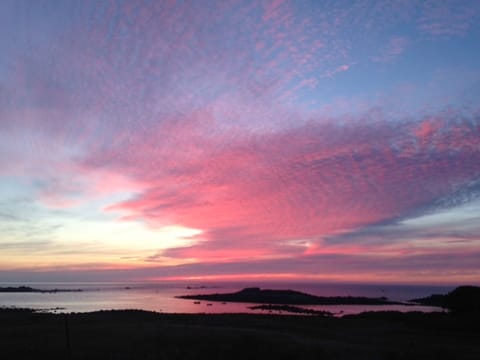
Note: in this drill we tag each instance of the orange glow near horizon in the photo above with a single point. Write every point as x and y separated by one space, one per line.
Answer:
410 278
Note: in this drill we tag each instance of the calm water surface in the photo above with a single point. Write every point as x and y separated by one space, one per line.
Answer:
161 297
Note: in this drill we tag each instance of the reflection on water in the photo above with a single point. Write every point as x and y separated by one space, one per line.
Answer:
160 297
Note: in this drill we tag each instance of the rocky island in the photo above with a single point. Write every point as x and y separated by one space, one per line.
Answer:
28 289
287 297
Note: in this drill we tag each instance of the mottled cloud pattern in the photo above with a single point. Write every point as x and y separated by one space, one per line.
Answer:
304 183
317 139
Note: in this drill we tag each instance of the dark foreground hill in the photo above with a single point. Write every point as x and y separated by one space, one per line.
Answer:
145 335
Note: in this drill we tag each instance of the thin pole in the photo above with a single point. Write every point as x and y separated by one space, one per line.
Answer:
67 337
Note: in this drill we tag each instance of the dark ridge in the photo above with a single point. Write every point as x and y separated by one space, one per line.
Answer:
464 299
132 335
432 300
28 289
290 297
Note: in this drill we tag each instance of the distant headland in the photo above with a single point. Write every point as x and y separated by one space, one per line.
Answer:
463 299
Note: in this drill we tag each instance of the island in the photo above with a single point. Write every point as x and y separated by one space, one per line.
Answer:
288 297
28 289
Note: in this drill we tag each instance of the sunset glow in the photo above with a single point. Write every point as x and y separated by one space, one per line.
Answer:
240 140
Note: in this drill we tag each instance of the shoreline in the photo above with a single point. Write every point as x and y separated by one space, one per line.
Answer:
248 300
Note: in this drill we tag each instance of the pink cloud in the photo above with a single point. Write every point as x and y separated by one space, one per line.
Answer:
272 9
395 47
251 193
426 129
448 18
339 69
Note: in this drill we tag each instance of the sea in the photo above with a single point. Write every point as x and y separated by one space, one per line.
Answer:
162 296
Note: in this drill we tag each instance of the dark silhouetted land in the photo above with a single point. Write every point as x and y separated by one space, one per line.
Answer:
26 334
287 297
464 299
27 289
145 335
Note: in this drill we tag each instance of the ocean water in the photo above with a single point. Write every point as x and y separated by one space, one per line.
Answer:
161 296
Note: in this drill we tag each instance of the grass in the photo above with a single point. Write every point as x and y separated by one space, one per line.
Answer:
145 335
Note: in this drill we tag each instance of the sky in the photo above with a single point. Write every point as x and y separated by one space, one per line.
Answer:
240 140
